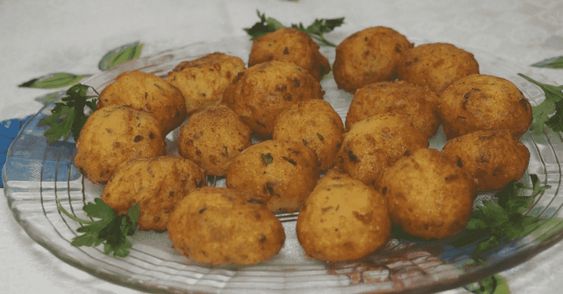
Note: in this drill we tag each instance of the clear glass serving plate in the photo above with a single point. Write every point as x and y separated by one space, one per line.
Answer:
37 175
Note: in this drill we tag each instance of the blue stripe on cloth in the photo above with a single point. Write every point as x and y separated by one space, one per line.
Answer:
8 131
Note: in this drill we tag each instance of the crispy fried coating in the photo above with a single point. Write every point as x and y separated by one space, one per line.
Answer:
155 184
368 56
218 226
428 195
146 92
375 143
263 91
484 102
436 65
494 158
343 220
113 135
203 81
281 173
212 137
416 102
315 124
290 45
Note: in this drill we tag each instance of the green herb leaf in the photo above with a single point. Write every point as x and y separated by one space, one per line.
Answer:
555 122
502 219
120 55
316 30
554 62
264 26
53 80
494 284
319 27
549 111
68 116
108 229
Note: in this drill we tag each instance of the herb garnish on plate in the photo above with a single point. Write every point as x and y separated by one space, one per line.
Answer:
316 29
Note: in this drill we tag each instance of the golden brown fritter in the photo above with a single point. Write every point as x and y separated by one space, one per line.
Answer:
155 184
281 173
315 124
289 45
113 135
202 81
342 220
218 226
265 90
417 103
483 102
428 195
436 65
146 92
212 137
375 143
494 158
368 56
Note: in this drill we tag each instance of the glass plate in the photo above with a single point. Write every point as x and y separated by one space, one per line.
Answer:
37 175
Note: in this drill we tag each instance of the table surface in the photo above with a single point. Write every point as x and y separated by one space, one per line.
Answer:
40 37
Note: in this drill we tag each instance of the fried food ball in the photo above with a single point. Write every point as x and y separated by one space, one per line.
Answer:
156 185
113 135
212 137
375 143
343 220
368 56
418 103
436 65
202 81
494 158
218 226
281 173
428 195
483 102
265 90
290 45
146 92
315 124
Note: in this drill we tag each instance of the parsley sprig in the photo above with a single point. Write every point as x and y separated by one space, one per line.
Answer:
110 229
316 30
503 218
550 111
68 116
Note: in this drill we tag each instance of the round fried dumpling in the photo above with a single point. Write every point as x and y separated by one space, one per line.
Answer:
218 226
494 158
212 137
281 173
375 143
417 103
290 45
342 220
146 92
202 81
483 102
155 184
266 89
315 124
436 65
368 56
428 195
113 135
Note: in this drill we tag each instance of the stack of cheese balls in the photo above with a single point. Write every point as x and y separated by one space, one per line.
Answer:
350 182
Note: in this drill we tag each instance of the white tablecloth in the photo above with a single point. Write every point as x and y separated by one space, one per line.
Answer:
39 37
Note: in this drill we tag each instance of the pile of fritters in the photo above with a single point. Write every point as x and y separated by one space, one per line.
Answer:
350 182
